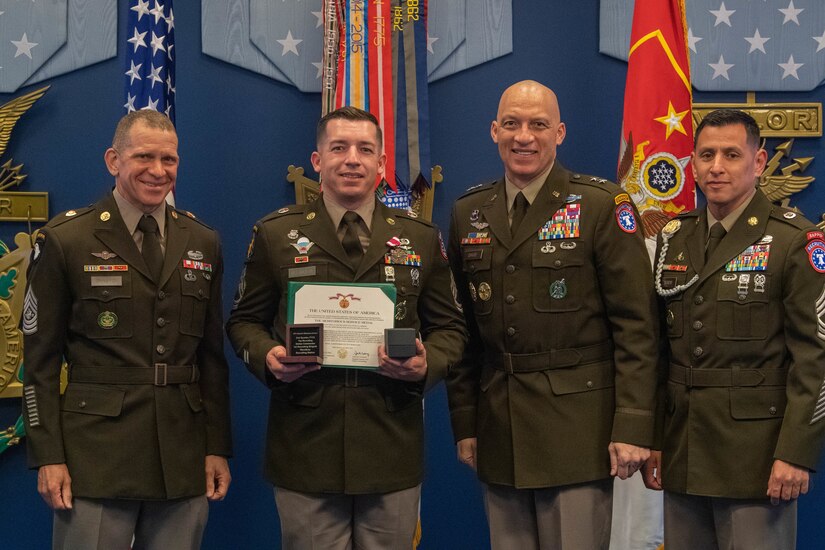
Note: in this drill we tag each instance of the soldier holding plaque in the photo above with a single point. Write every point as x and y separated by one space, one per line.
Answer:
345 444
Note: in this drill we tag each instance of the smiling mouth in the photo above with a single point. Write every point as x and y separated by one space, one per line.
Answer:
351 175
523 152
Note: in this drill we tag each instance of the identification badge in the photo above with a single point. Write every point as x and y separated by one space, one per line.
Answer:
107 280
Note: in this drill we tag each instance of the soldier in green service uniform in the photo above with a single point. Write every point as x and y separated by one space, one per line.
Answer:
556 389
128 292
743 294
345 446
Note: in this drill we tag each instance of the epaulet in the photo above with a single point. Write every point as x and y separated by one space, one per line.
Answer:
178 212
476 188
595 181
69 215
690 213
292 209
409 215
791 217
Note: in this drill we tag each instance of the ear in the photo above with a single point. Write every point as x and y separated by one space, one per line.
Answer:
110 157
382 164
693 166
561 133
761 161
315 159
494 131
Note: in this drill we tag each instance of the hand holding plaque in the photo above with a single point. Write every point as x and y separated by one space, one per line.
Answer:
304 343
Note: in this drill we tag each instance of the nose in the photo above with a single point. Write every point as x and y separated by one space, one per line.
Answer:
352 156
156 167
717 166
524 135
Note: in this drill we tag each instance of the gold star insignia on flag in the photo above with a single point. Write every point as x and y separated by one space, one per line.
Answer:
672 120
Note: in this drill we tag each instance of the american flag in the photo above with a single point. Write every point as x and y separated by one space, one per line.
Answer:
150 59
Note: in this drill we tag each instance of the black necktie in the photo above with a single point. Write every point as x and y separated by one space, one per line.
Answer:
717 233
519 210
351 242
152 254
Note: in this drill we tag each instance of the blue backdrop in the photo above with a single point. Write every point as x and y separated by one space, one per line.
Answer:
238 133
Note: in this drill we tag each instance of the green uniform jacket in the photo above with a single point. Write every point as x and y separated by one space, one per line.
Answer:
562 352
124 440
747 353
343 430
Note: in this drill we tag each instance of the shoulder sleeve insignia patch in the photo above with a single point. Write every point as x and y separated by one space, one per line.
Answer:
626 218
816 255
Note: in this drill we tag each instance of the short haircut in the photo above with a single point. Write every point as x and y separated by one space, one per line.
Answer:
727 117
148 117
347 113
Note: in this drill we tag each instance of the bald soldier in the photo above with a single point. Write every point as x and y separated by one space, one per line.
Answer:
128 292
555 392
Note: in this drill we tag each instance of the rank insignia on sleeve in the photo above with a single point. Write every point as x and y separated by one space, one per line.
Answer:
563 225
29 324
816 254
626 218
753 258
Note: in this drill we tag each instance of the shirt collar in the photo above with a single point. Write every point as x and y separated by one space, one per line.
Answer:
530 191
730 219
336 211
131 214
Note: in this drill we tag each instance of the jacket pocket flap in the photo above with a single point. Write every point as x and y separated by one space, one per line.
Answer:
581 379
192 392
755 403
93 399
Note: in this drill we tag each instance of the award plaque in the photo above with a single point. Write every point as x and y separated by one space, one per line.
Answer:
354 316
304 343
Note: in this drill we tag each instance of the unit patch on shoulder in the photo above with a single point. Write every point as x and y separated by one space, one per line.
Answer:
626 218
816 255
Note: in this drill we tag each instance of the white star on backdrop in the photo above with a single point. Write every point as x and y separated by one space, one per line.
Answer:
820 40
155 75
320 16
757 42
722 15
24 47
157 43
134 72
157 11
169 85
142 8
152 106
789 68
320 66
289 43
721 68
130 102
170 21
430 41
791 13
692 40
138 39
